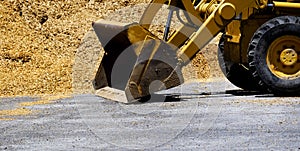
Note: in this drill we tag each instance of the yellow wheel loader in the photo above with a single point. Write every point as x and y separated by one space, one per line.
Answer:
259 48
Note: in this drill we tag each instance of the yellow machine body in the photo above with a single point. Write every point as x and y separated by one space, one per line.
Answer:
248 28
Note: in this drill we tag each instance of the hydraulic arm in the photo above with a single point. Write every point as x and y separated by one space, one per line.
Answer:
155 64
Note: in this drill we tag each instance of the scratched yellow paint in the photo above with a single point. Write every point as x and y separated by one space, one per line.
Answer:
21 109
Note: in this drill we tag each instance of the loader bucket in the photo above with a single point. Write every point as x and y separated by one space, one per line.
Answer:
131 62
157 68
114 37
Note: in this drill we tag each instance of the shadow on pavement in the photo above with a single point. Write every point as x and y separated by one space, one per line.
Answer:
174 97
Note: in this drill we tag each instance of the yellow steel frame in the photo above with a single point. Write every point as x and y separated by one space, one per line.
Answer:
220 17
220 14
286 5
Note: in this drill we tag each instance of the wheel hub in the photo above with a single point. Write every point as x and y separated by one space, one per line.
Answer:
283 57
288 57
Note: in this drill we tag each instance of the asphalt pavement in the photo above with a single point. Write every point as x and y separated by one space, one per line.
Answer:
196 116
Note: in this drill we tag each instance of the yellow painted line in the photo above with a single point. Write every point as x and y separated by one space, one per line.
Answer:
21 109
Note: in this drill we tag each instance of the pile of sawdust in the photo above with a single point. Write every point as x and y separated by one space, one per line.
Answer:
39 40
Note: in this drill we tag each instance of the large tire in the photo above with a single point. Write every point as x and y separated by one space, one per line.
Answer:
274 54
237 73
